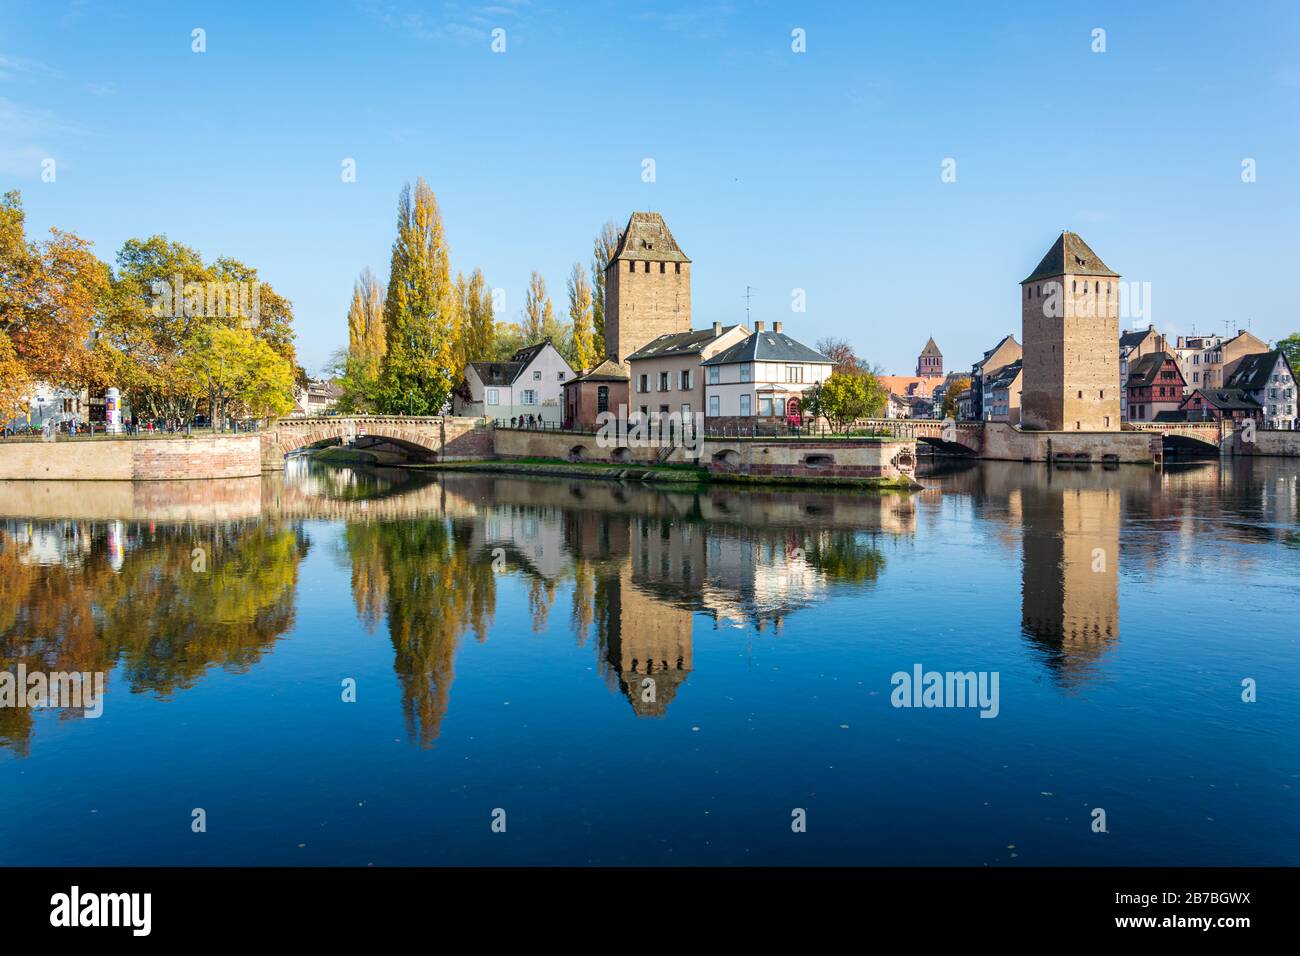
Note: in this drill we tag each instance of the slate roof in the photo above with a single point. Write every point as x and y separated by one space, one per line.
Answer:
767 346
498 373
1225 399
647 238
1069 255
1253 371
1005 376
606 371
505 373
1146 370
678 343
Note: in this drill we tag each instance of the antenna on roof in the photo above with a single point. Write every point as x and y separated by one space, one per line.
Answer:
749 290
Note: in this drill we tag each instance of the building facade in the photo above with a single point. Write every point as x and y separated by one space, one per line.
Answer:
587 397
1219 404
1004 389
647 287
1268 378
1194 353
1155 385
1132 346
1070 326
531 383
975 406
756 379
665 372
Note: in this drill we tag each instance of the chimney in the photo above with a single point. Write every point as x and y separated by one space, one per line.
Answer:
776 327
758 326
717 329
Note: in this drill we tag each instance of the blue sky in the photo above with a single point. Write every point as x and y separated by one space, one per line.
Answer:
817 171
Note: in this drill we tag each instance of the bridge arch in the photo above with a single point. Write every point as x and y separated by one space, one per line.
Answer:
420 437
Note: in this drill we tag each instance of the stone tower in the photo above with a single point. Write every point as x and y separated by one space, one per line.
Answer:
929 364
1069 313
647 286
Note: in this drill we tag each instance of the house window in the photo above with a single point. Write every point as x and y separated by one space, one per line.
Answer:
631 267
713 405
678 267
663 266
714 371
647 266
794 373
744 404
780 408
663 381
529 397
537 375
493 397
559 376
764 407
602 398
686 379
745 372
644 384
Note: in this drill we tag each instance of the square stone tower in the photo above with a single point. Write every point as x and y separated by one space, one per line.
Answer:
1069 313
647 286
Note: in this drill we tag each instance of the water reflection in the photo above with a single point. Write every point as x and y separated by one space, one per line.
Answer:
98 583
91 595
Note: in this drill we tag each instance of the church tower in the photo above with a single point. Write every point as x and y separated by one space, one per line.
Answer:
1069 313
929 364
647 287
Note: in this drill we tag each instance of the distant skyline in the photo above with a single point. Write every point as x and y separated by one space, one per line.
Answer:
817 171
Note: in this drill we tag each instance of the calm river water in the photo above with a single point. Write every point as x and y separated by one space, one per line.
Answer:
626 675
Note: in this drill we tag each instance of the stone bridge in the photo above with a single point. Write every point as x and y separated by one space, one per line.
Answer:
1193 436
435 438
961 438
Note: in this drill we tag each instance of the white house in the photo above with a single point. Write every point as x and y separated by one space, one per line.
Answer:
47 403
531 383
759 377
1268 378
317 398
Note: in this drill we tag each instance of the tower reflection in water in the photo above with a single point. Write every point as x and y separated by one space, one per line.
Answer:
1070 567
106 582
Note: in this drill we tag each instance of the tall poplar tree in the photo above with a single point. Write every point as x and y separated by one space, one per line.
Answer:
478 331
539 315
366 340
602 251
420 311
582 352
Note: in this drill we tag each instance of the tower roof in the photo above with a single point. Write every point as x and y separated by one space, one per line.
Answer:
647 238
931 348
1069 256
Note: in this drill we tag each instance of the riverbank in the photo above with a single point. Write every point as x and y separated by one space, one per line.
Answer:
674 473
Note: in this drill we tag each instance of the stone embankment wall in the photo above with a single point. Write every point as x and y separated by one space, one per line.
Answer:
131 459
761 457
1005 443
